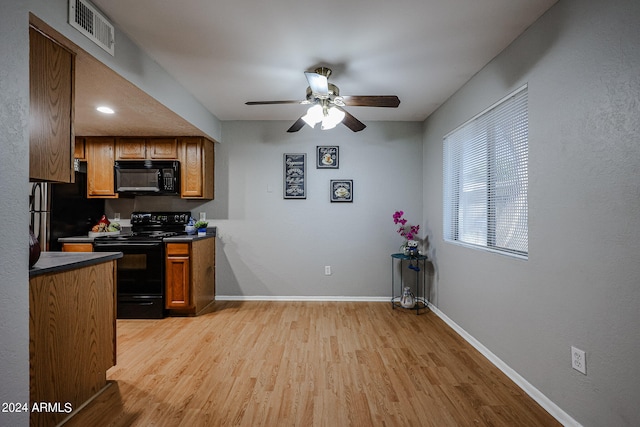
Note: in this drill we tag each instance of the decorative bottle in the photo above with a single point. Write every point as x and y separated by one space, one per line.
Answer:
407 300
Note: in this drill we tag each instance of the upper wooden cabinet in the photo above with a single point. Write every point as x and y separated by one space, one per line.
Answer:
79 150
131 149
196 156
100 153
162 148
146 148
51 82
196 168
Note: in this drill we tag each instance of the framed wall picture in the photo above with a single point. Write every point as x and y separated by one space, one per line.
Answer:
295 175
327 156
341 190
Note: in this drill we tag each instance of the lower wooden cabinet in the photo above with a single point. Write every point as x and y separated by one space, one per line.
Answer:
190 277
177 277
72 337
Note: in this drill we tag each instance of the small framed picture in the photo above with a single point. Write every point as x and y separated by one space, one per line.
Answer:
341 190
295 179
327 156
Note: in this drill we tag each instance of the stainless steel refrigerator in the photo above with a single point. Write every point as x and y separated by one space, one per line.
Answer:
62 210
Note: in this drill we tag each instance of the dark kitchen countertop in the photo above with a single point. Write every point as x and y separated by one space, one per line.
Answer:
211 232
56 262
190 238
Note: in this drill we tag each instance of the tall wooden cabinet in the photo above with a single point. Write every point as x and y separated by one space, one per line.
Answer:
51 82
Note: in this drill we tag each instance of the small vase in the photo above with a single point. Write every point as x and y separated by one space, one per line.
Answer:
407 300
34 249
202 231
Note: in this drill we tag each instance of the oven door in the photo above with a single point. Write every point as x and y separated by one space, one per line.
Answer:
140 279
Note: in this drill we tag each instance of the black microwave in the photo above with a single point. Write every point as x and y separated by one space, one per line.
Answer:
147 177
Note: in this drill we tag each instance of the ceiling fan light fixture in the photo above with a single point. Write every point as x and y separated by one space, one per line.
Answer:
333 117
314 115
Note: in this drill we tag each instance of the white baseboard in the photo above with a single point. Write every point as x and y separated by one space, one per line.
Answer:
553 409
300 298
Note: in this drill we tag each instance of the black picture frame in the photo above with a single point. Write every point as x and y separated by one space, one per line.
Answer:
341 190
327 157
295 175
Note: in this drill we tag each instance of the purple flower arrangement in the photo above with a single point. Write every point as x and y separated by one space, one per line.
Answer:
409 232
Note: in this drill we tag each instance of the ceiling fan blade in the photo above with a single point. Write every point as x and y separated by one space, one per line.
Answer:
351 122
296 126
318 83
272 102
391 101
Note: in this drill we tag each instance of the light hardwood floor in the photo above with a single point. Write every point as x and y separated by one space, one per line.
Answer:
301 364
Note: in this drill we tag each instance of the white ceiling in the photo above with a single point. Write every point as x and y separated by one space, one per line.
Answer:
228 52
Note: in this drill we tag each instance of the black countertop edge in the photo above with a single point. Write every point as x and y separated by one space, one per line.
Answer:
188 238
57 262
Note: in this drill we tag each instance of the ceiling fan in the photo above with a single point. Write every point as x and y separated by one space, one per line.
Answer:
326 103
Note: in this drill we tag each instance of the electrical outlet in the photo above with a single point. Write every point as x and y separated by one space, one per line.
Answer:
578 360
327 270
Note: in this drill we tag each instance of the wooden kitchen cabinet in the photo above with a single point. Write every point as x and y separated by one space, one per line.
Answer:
196 166
100 159
77 247
146 148
190 277
79 151
51 109
72 337
196 156
177 277
131 149
162 148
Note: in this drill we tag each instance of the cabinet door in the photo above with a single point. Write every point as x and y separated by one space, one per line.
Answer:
162 148
130 149
177 276
79 151
100 159
51 143
197 162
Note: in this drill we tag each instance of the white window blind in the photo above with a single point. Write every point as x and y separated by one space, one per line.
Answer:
486 178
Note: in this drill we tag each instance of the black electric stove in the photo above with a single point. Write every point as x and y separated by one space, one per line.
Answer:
140 278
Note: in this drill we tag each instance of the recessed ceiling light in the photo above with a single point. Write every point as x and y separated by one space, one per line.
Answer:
105 110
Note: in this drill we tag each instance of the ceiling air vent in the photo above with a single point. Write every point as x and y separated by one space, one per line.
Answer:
90 22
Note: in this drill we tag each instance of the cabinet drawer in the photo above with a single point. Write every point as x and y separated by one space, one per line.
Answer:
77 247
177 249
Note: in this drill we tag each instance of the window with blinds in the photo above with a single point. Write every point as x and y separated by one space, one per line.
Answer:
486 179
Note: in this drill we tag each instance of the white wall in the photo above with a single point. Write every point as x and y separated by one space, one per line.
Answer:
581 284
274 247
14 166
